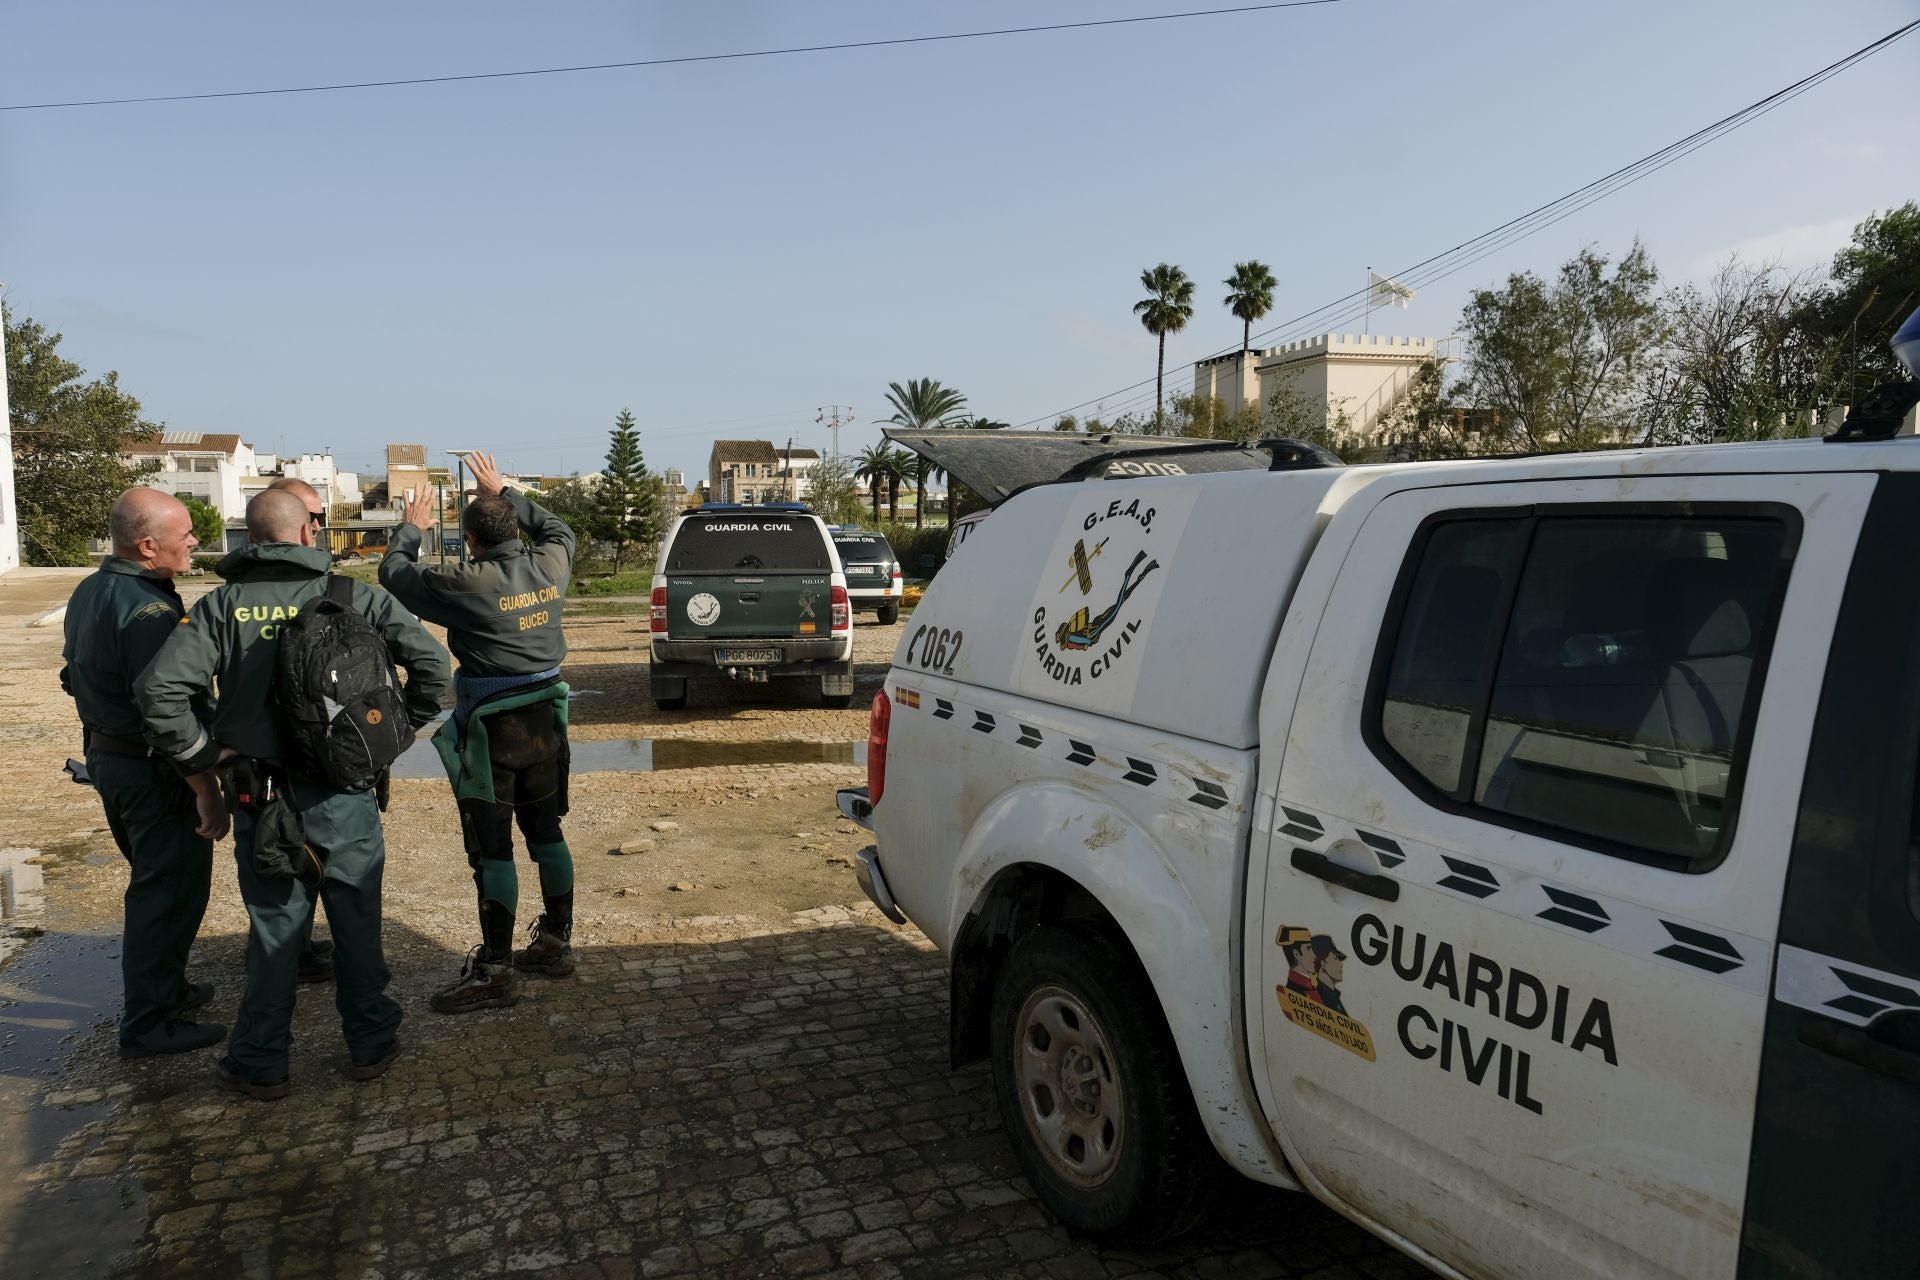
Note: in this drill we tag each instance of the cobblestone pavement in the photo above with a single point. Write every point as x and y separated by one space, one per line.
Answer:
721 1099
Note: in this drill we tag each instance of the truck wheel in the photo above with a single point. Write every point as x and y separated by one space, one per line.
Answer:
1091 1090
669 692
889 613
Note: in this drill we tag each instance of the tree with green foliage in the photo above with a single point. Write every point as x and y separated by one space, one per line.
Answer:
1875 285
1166 309
832 492
1249 297
575 501
628 495
899 468
923 404
1557 361
69 445
870 469
1066 422
209 530
1741 358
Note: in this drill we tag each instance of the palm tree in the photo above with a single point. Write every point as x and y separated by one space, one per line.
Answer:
899 468
921 404
871 469
1249 297
1166 309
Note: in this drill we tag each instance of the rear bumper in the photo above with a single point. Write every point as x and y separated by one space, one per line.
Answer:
873 883
797 657
868 597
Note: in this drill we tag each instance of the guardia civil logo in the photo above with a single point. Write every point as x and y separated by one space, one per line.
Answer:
1091 630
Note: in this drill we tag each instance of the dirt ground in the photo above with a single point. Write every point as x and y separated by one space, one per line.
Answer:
759 840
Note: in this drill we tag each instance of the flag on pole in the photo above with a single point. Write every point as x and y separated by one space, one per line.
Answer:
1385 291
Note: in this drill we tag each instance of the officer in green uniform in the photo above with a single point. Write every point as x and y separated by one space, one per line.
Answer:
505 746
316 958
164 824
231 636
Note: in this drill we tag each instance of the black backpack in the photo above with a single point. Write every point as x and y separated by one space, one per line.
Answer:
339 697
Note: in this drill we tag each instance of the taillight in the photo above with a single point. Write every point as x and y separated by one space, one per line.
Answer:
842 610
877 722
659 610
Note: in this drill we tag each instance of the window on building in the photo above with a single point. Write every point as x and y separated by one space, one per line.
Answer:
1585 675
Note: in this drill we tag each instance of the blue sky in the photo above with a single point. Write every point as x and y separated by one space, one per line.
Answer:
725 247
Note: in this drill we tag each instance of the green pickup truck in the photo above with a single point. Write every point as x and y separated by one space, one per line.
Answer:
750 593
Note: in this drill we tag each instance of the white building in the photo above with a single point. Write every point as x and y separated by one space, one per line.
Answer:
329 481
206 466
1364 375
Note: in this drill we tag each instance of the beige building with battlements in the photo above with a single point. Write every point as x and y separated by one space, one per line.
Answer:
1363 374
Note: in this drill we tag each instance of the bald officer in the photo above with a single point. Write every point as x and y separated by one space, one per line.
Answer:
233 636
164 824
316 958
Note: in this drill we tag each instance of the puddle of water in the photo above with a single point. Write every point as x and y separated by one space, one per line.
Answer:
52 995
647 755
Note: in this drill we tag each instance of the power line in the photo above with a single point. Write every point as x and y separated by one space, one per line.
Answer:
1468 252
669 62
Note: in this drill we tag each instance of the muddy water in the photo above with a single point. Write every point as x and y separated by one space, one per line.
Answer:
647 755
52 995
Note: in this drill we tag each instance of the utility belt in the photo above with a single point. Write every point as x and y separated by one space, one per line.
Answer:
92 739
250 784
177 793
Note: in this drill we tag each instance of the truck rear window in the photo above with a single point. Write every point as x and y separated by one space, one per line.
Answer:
862 548
747 543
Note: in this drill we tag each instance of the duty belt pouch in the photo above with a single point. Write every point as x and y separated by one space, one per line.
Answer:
280 847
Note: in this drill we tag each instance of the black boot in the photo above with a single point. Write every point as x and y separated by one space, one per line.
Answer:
549 948
486 980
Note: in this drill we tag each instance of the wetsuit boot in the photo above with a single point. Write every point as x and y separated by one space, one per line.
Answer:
549 949
486 980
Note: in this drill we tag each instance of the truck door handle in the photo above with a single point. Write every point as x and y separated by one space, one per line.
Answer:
1374 886
749 597
1885 1047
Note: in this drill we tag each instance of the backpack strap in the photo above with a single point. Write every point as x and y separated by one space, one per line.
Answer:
340 590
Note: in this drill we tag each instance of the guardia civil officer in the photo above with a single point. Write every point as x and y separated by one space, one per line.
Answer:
231 636
316 958
165 824
505 746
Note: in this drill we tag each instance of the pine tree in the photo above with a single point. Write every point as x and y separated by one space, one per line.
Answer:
628 493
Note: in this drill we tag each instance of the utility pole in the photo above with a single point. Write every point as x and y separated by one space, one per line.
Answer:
460 492
793 494
830 417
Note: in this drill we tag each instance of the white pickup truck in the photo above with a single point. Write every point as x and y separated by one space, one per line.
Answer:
1519 856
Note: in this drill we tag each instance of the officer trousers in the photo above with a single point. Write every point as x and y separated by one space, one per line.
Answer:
151 814
345 826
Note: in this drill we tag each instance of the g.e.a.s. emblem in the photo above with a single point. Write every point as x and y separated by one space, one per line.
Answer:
1091 630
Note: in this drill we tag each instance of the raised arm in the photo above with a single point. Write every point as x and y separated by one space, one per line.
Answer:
553 540
416 586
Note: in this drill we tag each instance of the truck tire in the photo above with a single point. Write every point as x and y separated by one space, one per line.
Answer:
1092 1093
669 692
889 613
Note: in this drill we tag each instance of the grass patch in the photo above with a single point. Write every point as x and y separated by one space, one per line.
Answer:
617 584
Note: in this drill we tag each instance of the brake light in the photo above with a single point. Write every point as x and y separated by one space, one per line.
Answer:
658 611
842 610
877 722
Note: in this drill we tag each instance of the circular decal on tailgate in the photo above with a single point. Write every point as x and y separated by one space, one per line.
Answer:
703 610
